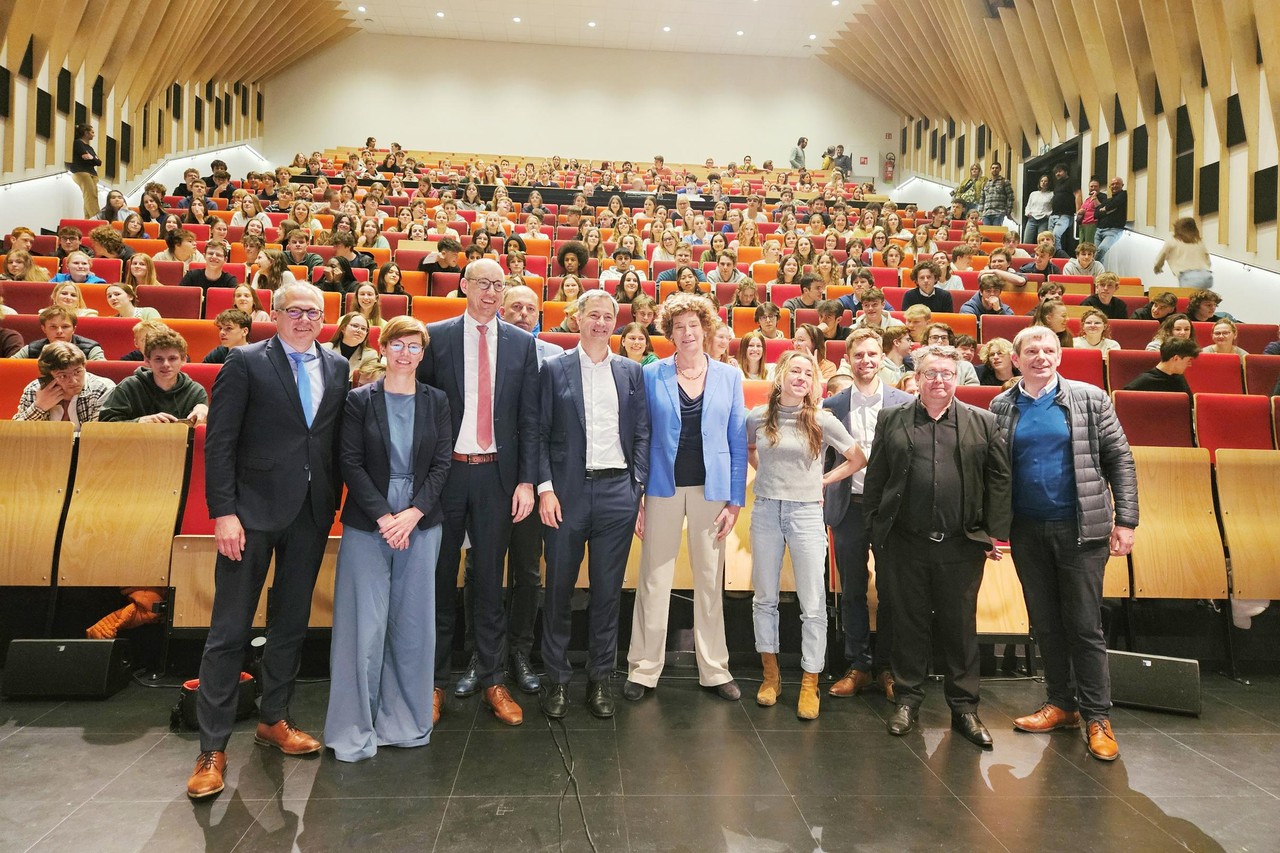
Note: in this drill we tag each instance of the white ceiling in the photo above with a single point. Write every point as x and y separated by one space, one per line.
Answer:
769 27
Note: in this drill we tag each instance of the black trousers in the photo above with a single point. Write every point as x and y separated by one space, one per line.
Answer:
852 547
474 504
524 586
936 583
298 550
1062 584
603 514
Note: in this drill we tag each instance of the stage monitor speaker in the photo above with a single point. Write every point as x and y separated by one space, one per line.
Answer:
84 669
1155 682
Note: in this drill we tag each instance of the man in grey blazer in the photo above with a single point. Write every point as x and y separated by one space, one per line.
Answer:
489 371
858 407
272 486
593 431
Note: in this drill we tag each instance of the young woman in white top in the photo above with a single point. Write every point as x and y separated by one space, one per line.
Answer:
1095 332
1186 255
1224 338
249 208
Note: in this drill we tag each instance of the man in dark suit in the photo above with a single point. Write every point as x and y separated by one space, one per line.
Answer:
272 488
489 371
858 407
593 449
936 496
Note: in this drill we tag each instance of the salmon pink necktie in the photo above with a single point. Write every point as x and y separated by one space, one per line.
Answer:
484 389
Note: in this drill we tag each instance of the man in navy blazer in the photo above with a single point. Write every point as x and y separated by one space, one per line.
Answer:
857 407
272 486
593 432
489 371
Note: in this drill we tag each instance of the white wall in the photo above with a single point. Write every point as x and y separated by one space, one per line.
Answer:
535 100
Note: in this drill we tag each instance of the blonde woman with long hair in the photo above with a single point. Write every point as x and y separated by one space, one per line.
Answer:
786 438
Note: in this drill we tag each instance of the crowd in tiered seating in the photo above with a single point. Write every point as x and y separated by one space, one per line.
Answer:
789 259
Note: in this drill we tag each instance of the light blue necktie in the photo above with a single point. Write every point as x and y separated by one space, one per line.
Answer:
304 384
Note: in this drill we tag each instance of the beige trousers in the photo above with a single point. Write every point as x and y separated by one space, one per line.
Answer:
89 189
663 522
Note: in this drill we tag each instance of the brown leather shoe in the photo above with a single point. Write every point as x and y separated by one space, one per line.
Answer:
853 681
885 680
1047 719
498 700
1102 741
437 704
286 738
206 779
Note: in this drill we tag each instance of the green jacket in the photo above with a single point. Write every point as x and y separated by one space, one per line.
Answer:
138 396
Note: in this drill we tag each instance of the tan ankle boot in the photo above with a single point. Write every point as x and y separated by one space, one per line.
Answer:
807 709
771 687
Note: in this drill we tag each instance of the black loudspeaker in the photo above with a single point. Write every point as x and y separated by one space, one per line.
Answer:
1154 682
84 669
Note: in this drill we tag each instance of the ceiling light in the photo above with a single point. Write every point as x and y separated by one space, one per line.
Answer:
835 2
515 20
666 29
359 8
812 36
591 24
739 32
439 14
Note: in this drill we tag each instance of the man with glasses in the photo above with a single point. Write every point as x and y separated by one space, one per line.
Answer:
489 370
272 489
936 496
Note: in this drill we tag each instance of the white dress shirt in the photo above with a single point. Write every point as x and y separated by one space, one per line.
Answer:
600 408
467 442
864 409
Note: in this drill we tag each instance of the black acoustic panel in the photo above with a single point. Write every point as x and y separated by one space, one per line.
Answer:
926 123
1102 162
951 127
110 158
1084 118
198 117
1138 148
28 66
1159 101
981 143
1264 195
1208 189
175 102
1184 179
262 106
159 127
1183 140
65 99
1066 110
98 100
1026 147
208 91
126 142
146 124
244 102
1204 76
942 151
6 92
902 145
237 87
217 113
44 114
82 113
226 106
960 149
933 145
919 134
1117 123
1235 123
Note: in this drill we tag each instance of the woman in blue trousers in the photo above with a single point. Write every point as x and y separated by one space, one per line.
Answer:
395 456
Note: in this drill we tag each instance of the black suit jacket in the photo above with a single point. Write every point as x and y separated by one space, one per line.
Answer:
562 424
260 456
835 496
366 455
515 393
984 473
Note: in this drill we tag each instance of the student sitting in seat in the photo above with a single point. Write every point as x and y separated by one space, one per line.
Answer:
59 324
1176 355
63 390
78 272
1104 297
1173 326
233 331
159 392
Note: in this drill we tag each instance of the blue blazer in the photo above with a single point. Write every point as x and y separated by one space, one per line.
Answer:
724 431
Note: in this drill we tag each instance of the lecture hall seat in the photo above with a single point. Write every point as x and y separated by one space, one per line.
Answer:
1240 421
1216 373
1155 418
1261 373
1124 365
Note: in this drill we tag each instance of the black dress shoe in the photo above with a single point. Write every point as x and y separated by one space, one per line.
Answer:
729 691
633 692
555 702
903 720
599 699
469 682
522 672
971 729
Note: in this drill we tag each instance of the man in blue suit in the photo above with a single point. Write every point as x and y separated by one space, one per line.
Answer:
489 371
593 449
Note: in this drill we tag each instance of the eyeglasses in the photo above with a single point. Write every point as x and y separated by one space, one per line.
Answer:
944 375
486 284
398 347
299 313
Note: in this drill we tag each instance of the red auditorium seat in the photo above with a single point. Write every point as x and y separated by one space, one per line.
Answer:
566 340
1216 373
205 374
219 299
1254 337
116 371
780 293
107 269
27 297
195 512
169 272
172 302
26 325
1001 325
1133 334
1083 365
390 304
774 349
115 334
1125 364
960 297
15 374
1233 420
977 395
443 283
1155 418
755 392
1261 373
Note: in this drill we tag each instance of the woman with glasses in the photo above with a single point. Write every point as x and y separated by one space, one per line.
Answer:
395 456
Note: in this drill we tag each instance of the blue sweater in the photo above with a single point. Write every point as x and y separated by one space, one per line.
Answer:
1044 480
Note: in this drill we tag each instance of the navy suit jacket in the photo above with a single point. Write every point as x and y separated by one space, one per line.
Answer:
515 393
366 455
563 421
260 456
835 498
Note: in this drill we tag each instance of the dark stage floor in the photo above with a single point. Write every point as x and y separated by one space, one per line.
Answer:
682 770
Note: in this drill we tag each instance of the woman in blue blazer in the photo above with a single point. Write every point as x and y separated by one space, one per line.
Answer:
698 474
395 456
